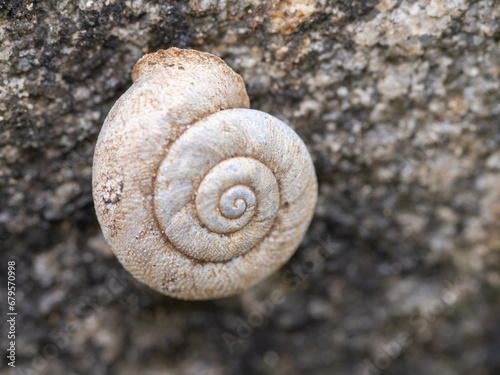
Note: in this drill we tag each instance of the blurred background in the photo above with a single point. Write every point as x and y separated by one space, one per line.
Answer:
398 103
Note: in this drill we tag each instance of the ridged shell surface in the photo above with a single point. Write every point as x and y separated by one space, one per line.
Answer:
198 196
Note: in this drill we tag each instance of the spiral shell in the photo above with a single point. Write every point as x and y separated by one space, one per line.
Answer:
198 196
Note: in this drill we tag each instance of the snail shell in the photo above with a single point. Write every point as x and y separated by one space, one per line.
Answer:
198 196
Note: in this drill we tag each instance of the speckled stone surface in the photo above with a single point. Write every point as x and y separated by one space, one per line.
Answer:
398 103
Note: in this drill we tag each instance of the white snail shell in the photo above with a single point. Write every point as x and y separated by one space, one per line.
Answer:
198 196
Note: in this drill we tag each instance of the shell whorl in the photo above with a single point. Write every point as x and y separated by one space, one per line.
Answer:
199 196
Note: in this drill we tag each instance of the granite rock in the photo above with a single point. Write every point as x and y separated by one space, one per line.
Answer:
398 103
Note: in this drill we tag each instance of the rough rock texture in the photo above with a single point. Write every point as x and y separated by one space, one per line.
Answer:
397 100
